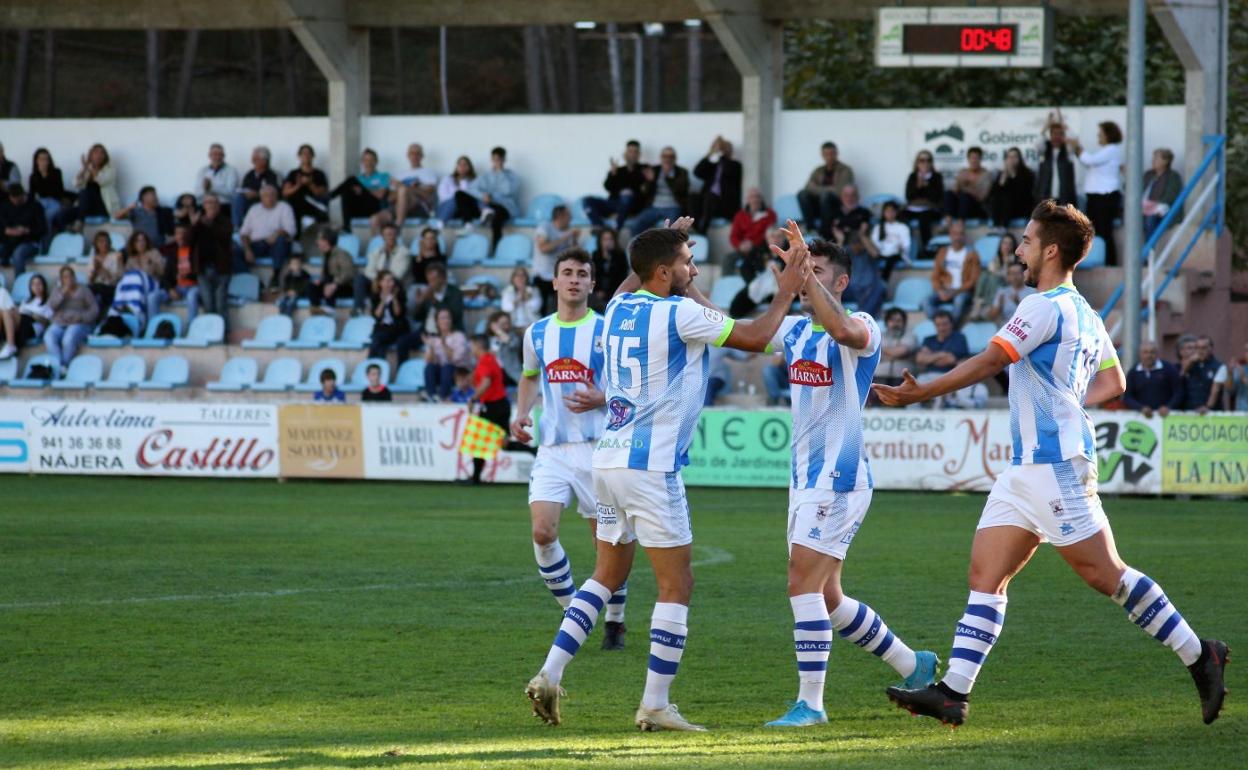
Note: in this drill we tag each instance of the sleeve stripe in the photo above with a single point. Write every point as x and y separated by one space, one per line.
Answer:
530 372
1005 345
1108 364
723 337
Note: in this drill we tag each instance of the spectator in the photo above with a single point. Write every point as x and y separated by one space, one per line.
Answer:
266 232
437 296
337 279
460 180
97 184
866 289
496 194
104 270
74 313
428 251
9 172
820 199
24 227
971 187
445 349
462 392
1153 385
891 239
1220 393
760 284
624 188
992 278
489 392
1238 385
664 192
776 380
550 240
35 313
211 258
1056 177
749 234
364 194
179 280
925 190
184 208
390 256
1162 186
147 216
1102 184
376 390
293 284
954 275
1199 373
218 177
414 194
256 179
507 346
1006 300
941 352
9 320
721 185
611 267
1013 193
329 392
389 315
852 217
132 298
896 349
521 300
48 187
306 189
142 255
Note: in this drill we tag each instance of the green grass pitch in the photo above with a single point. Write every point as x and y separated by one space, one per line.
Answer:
208 624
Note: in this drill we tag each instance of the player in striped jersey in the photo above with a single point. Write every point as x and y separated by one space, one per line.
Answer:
656 354
1060 359
563 364
831 359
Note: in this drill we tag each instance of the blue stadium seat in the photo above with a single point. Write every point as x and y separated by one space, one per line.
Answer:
21 287
471 249
411 376
725 289
243 288
1096 255
986 247
237 374
125 373
281 375
356 334
977 335
65 247
8 369
1017 224
349 243
313 381
701 249
117 240
149 338
111 341
170 372
26 381
207 329
911 293
316 332
359 376
539 210
82 372
579 217
513 249
273 331
786 207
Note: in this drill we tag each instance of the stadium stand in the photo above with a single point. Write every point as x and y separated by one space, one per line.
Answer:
281 374
149 338
272 333
237 375
82 372
170 372
125 373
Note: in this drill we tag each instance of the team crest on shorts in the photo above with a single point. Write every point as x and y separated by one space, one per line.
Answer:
821 512
1055 506
619 413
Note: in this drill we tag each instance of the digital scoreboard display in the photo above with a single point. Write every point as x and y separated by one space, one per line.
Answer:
963 36
971 39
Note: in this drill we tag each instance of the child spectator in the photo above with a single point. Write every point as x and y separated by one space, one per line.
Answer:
462 392
891 239
329 392
293 282
376 389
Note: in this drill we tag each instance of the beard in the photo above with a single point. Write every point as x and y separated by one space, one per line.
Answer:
1030 279
679 290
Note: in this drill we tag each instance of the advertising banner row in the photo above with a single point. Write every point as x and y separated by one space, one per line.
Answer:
908 449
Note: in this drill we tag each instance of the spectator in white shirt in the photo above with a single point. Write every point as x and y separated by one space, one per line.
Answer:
266 232
552 239
217 177
459 180
891 239
521 300
390 256
1102 183
414 192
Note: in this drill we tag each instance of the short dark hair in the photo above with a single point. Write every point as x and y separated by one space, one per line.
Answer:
390 226
836 256
975 151
329 234
558 211
633 143
1113 134
1066 227
654 247
328 374
828 146
307 147
942 314
372 367
499 151
578 255
15 190
369 151
145 189
481 339
895 311
435 267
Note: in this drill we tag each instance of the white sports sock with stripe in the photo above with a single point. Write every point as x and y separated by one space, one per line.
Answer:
556 571
812 642
615 606
855 622
578 621
973 639
1149 608
668 630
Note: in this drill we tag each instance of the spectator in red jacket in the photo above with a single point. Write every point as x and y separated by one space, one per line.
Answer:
750 226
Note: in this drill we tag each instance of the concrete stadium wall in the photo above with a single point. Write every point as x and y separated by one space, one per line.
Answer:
565 154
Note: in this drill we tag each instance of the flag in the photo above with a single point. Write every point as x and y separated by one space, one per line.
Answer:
482 439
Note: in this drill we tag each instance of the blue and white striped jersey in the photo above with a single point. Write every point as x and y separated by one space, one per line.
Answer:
657 372
567 356
828 385
1058 345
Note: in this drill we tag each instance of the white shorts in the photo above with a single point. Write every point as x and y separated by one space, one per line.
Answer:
646 506
561 472
826 521
1056 501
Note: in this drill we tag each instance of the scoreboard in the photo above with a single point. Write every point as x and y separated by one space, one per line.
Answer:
963 37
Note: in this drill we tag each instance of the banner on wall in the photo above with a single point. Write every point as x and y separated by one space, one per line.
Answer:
421 443
321 441
1205 455
948 134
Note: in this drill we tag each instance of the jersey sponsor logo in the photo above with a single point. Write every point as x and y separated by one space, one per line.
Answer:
714 316
606 515
569 370
812 373
975 633
628 325
619 413
1017 327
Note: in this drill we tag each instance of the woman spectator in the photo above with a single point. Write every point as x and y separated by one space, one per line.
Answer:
1162 186
897 349
364 194
749 231
1102 184
1012 196
74 313
97 185
610 268
444 351
48 187
305 189
521 299
993 277
142 255
506 346
925 191
35 313
389 314
891 239
428 250
460 180
105 269
185 209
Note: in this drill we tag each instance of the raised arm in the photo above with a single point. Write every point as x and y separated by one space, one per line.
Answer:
829 312
755 335
972 370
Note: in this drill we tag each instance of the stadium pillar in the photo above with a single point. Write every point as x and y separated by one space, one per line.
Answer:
1133 218
756 49
1197 31
341 53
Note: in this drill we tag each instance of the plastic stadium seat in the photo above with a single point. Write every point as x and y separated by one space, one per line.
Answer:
207 329
244 287
25 381
411 376
701 249
313 381
237 374
21 287
281 375
356 334
1017 224
986 247
316 332
513 249
923 330
786 207
149 338
66 247
937 241
126 372
117 240
8 369
725 289
349 243
1096 255
112 341
170 372
579 217
359 376
977 335
82 372
273 331
95 220
470 250
911 293
591 243
539 210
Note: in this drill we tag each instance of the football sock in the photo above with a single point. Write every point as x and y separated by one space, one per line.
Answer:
667 643
858 623
973 639
1148 607
615 605
812 641
553 566
578 621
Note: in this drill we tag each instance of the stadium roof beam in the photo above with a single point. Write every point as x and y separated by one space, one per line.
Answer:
1197 31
